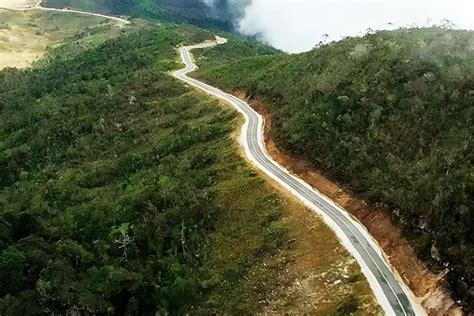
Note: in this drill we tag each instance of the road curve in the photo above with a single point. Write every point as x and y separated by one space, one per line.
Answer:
121 21
393 296
38 6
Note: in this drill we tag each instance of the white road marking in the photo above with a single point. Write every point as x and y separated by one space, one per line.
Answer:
392 294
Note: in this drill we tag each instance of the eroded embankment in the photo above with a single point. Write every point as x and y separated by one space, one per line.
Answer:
426 285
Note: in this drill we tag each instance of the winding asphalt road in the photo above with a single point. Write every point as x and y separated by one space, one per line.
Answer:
393 296
391 293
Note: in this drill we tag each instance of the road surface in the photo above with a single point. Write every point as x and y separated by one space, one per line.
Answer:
393 296
120 21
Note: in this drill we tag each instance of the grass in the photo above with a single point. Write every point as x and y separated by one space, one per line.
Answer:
26 35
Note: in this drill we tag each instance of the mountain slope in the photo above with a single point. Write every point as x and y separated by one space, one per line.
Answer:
115 182
391 114
121 192
221 15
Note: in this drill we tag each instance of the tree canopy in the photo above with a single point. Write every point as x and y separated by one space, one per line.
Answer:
120 191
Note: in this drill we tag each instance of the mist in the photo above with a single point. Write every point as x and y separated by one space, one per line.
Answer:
298 25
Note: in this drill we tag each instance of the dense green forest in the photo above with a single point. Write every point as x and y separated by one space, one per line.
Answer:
121 191
222 15
391 114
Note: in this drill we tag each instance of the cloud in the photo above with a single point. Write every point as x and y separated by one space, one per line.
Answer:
230 10
297 25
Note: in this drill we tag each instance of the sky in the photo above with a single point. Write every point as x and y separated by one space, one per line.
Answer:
298 25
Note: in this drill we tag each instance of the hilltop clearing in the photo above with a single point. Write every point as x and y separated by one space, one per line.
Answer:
17 4
26 35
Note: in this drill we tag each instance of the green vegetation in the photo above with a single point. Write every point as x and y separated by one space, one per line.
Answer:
102 6
391 114
237 48
221 16
121 192
349 307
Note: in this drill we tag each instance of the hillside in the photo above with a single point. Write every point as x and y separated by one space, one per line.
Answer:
26 35
196 12
121 192
391 116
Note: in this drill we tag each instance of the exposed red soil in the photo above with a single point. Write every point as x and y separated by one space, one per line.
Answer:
426 285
